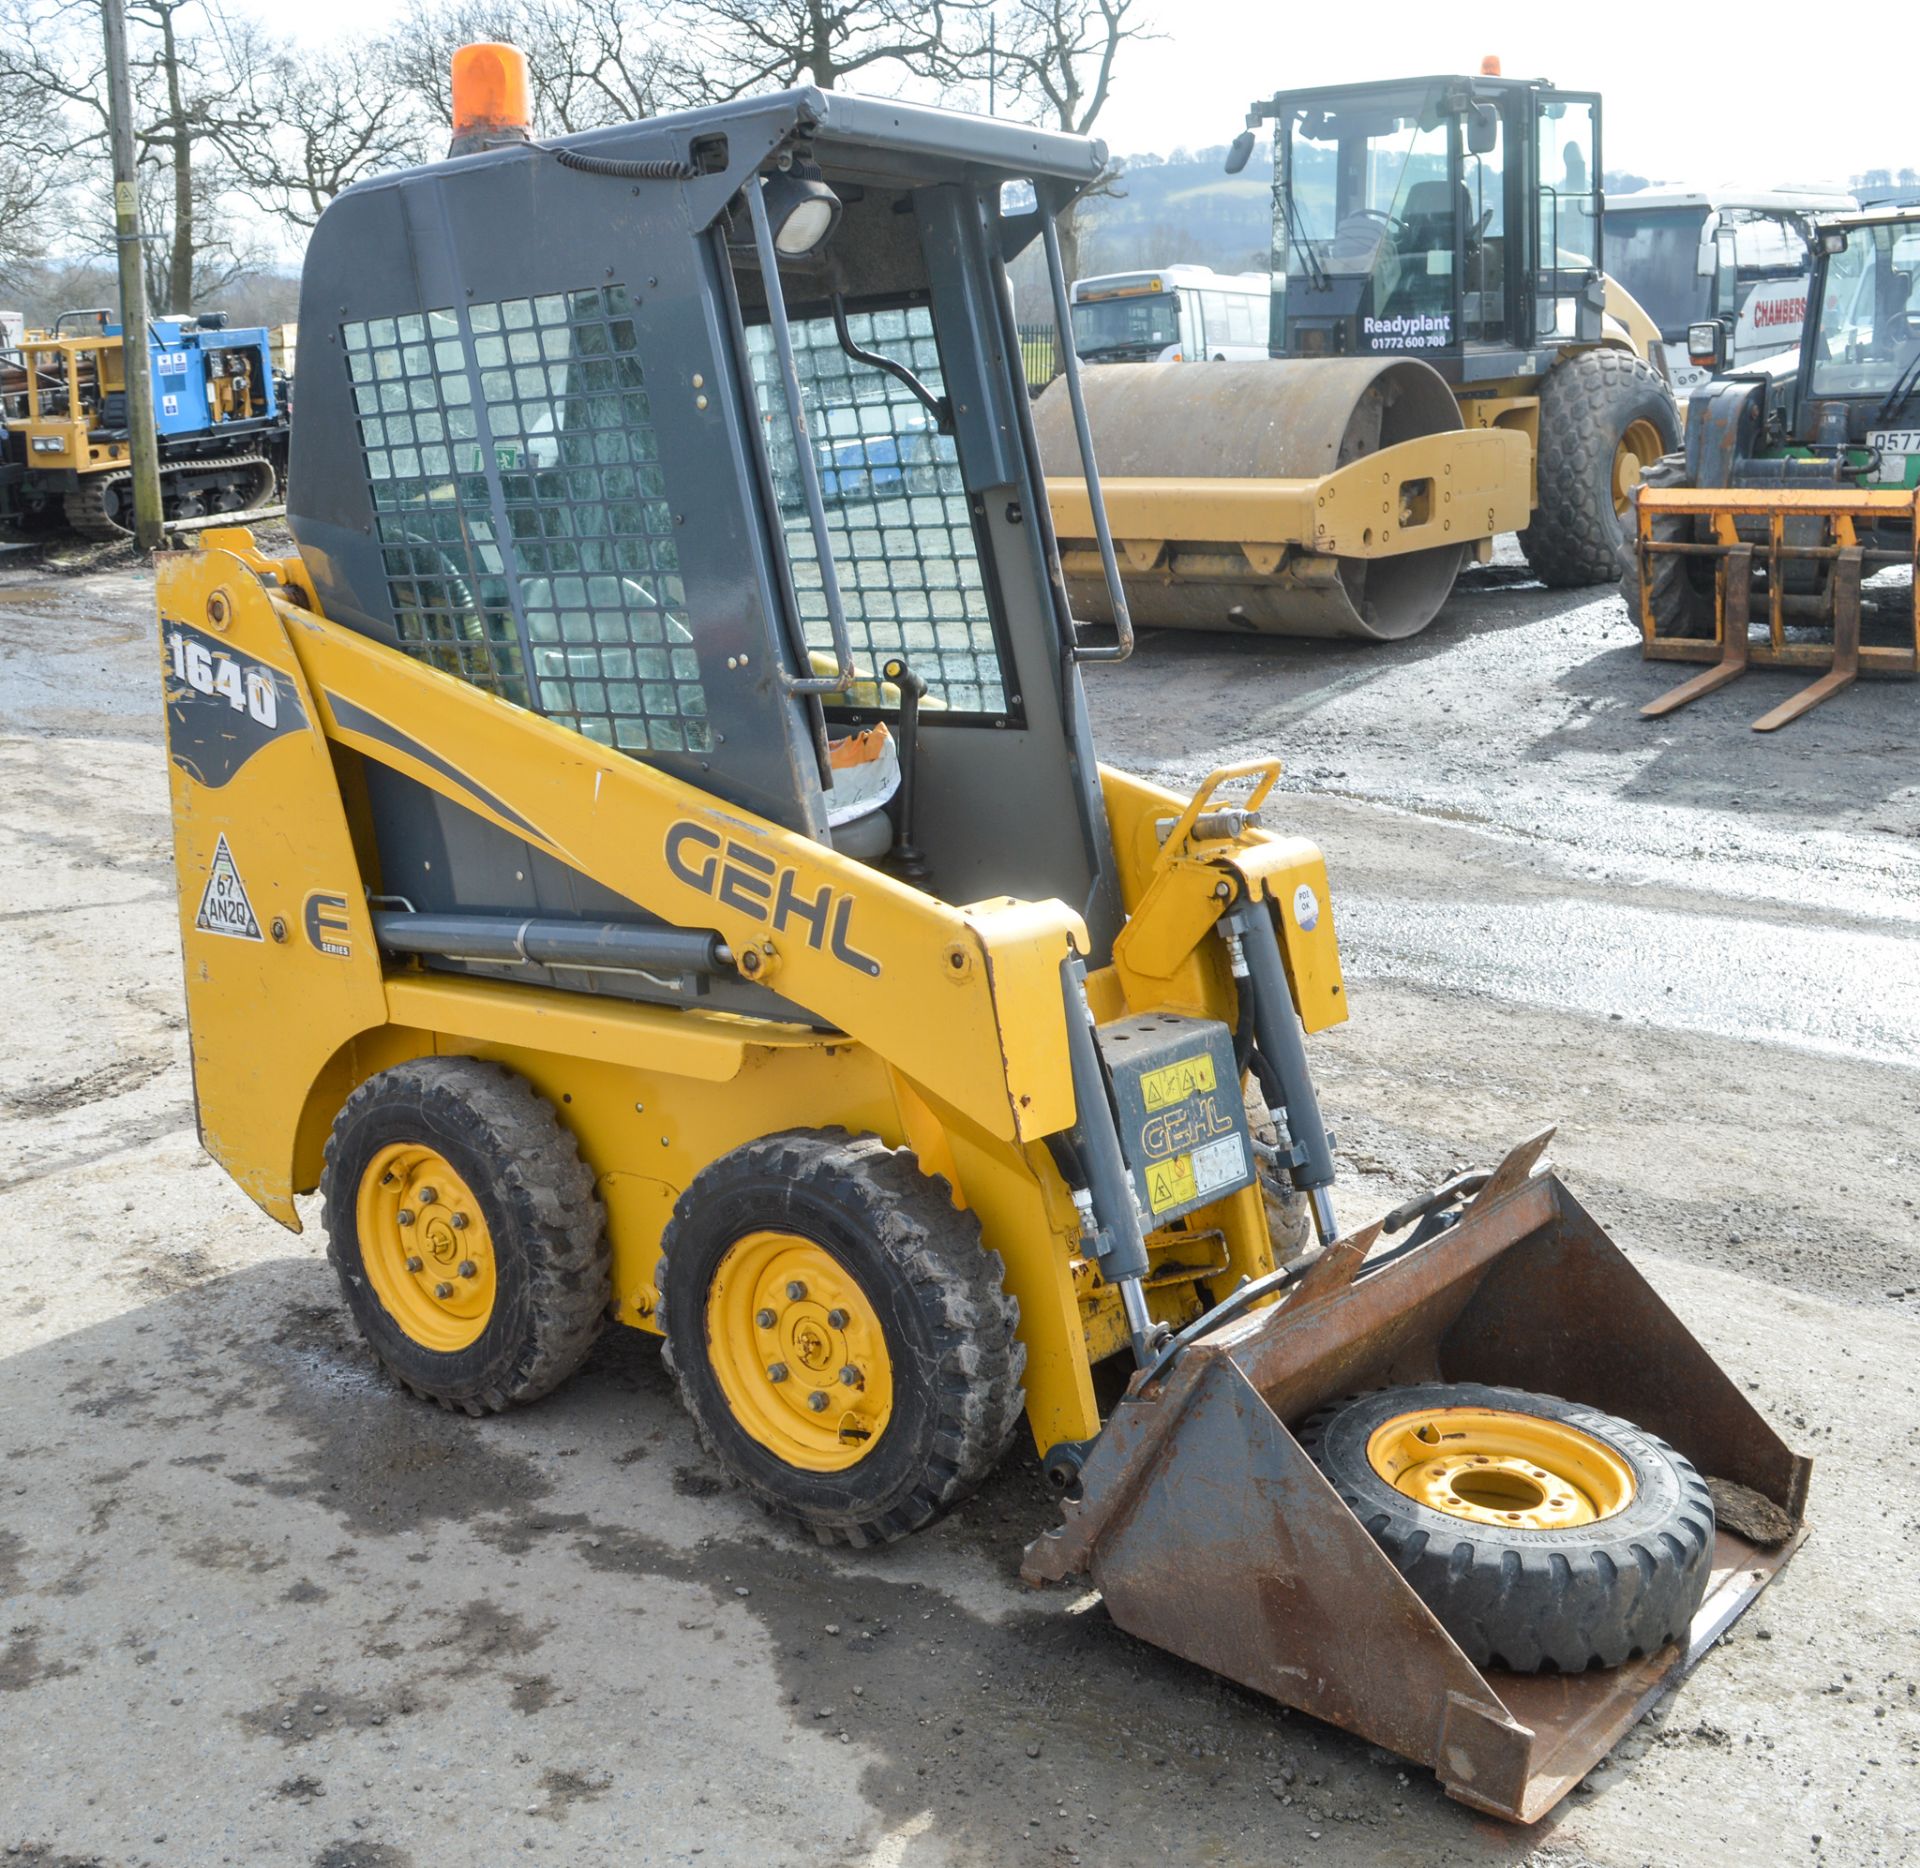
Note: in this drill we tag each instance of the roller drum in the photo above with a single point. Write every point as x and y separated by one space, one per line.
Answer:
1293 420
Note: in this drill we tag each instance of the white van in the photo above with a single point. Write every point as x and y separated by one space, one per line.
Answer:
1174 314
1738 255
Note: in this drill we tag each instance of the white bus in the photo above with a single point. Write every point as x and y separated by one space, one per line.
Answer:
1174 314
1690 255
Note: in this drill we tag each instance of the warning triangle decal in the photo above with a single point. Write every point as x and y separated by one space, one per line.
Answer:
224 908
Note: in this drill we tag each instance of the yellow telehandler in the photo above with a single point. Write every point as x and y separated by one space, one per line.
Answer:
644 858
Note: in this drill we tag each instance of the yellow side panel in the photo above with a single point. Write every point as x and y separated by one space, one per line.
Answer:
281 969
857 948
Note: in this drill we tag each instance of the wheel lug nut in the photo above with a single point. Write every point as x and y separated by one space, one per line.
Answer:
443 1290
414 1263
459 1222
404 1217
850 1376
818 1401
468 1269
777 1373
765 1318
836 1319
428 1195
796 1291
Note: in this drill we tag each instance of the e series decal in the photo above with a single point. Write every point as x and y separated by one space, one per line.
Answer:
757 886
325 918
221 707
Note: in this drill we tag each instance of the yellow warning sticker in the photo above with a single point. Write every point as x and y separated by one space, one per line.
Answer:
1171 1182
1174 1083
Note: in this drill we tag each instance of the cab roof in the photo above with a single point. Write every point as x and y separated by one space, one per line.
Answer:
1809 200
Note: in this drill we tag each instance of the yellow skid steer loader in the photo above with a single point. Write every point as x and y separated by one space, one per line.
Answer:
644 858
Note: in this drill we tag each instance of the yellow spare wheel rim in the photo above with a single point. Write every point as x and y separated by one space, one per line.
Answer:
798 1351
425 1246
1490 1466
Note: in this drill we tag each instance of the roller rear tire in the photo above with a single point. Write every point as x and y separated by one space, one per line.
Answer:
1574 1539
1605 417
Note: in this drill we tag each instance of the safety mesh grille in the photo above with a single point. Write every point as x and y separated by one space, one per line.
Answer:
513 464
898 517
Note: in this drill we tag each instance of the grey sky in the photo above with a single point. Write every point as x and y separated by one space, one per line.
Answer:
1678 106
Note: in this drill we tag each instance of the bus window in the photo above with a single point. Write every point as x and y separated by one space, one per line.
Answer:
1193 324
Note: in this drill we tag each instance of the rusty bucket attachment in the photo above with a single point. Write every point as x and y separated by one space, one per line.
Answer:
1827 540
1209 1531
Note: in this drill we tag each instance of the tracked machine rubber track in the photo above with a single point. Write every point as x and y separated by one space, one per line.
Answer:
241 483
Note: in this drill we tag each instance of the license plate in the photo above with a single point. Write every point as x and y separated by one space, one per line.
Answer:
1896 446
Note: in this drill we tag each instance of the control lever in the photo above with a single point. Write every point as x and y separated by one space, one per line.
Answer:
906 858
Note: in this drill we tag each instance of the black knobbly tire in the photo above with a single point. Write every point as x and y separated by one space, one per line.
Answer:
1587 404
547 1228
1533 1600
1681 592
937 1297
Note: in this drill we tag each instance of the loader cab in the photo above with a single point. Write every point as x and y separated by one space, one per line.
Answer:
572 438
1449 218
1858 384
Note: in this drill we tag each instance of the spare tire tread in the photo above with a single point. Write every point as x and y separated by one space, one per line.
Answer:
1533 1601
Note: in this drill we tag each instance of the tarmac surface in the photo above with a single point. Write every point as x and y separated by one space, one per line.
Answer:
257 1607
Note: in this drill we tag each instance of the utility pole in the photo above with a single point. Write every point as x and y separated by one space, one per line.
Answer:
134 357
993 64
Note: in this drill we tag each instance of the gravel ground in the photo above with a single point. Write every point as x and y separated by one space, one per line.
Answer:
255 1607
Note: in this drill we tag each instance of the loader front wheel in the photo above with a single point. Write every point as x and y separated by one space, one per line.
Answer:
1605 418
1681 590
1543 1534
841 1337
465 1232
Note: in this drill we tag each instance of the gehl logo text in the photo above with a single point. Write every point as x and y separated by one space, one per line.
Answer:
768 891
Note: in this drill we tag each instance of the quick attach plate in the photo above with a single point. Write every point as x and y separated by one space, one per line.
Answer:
1183 1120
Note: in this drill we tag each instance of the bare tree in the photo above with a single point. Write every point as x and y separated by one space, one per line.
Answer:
187 104
754 45
591 62
339 119
36 170
1058 59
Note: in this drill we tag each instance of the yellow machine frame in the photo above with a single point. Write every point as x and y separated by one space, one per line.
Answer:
55 441
953 1044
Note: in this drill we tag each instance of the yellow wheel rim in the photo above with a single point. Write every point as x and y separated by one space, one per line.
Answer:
799 1351
425 1246
1639 448
1489 1466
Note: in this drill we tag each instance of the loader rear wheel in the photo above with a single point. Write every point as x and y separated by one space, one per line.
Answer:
1681 588
842 1339
465 1232
1605 418
1543 1534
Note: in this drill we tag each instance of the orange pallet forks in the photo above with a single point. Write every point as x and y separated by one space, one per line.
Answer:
1842 514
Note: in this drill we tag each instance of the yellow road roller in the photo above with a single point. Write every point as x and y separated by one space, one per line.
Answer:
643 859
1450 362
